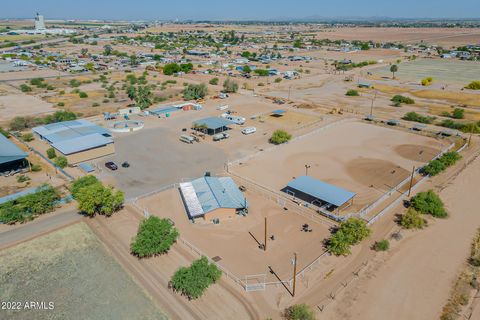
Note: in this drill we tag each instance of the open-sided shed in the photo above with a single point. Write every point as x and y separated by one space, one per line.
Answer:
319 192
212 125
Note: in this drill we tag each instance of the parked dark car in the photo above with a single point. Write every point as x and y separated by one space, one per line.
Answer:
111 165
126 164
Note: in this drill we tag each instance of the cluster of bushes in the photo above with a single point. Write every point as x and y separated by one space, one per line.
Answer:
349 233
192 281
436 166
457 113
280 136
59 116
412 219
172 68
39 83
413 116
427 81
27 137
27 207
352 93
262 72
25 88
195 91
22 123
474 85
4 133
399 99
154 236
94 198
230 86
471 127
61 161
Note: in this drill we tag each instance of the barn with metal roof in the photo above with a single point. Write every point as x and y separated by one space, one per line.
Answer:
77 140
212 125
11 156
320 193
212 198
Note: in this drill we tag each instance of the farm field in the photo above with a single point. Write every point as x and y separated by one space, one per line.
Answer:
72 269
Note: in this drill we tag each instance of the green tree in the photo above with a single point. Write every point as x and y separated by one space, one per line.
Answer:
82 95
143 97
170 69
107 50
247 69
194 280
280 136
61 161
27 137
154 236
51 153
230 86
94 198
299 312
195 91
350 232
133 60
25 88
429 203
458 113
352 93
393 70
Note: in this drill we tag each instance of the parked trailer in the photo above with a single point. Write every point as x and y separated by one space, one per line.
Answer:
234 119
187 139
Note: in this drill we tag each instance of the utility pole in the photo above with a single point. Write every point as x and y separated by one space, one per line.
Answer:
373 100
265 243
411 182
306 169
294 273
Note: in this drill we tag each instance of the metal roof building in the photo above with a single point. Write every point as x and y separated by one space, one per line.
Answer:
77 140
9 151
212 198
320 190
213 124
278 112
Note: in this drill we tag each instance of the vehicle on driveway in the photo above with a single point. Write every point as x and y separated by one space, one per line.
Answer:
125 164
220 136
111 165
249 130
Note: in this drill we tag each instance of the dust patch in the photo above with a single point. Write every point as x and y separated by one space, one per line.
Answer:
416 152
376 173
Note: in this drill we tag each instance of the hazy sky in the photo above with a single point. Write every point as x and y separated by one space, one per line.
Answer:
243 9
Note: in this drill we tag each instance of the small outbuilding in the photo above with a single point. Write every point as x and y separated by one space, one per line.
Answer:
212 198
278 113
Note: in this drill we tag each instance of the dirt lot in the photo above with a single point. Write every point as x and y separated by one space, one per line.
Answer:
239 250
359 157
69 268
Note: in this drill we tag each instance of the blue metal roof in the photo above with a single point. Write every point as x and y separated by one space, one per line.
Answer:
67 130
321 190
81 143
86 167
9 151
279 112
214 123
218 192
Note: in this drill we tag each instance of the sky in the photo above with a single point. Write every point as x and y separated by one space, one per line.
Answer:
237 10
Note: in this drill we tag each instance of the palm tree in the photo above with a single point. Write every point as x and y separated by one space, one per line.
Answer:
393 69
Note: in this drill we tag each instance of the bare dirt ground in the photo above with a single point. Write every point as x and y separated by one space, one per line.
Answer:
237 240
72 269
415 278
359 157
18 104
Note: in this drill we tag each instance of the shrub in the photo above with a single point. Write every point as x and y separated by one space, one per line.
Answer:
230 86
261 72
213 81
171 68
474 85
352 93
74 83
25 88
36 81
154 236
349 233
51 153
22 178
280 136
413 116
382 245
429 203
60 116
83 95
194 280
61 104
299 312
61 161
36 167
427 81
27 137
4 133
398 99
195 91
412 219
278 80
458 113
